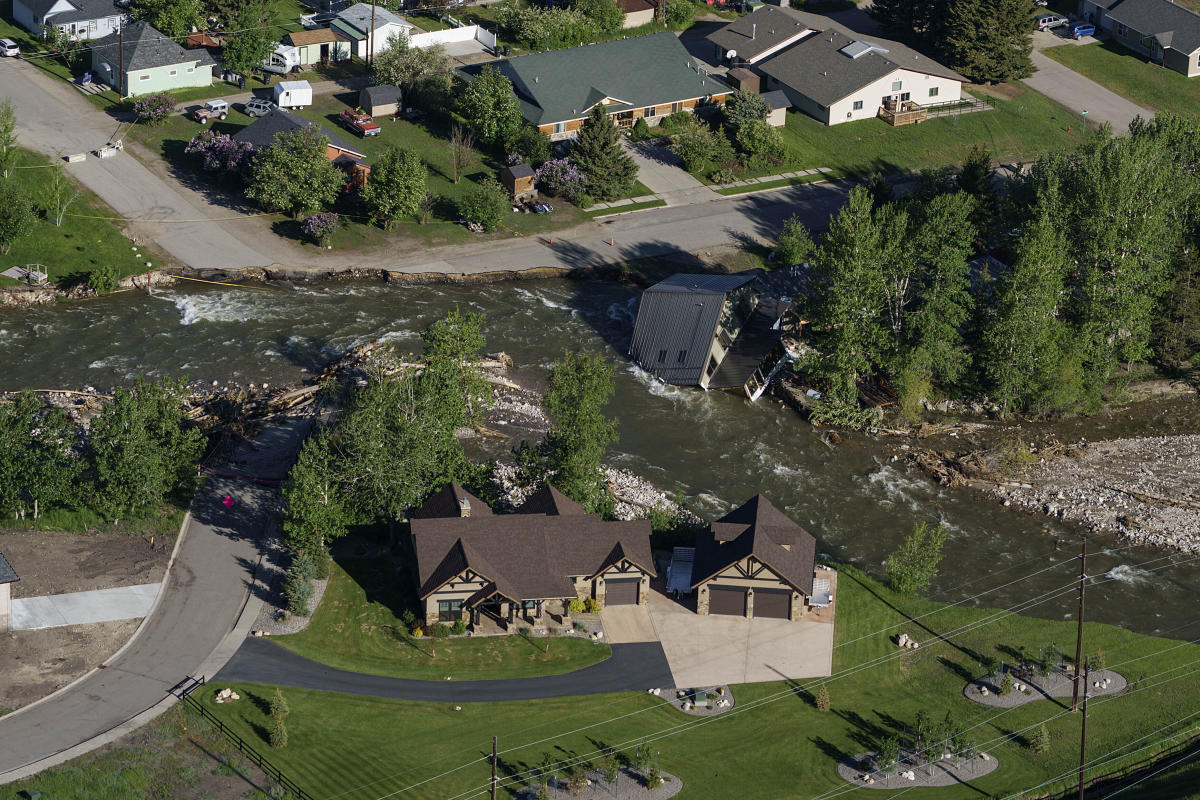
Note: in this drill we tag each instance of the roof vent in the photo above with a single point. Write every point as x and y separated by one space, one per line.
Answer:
537 78
464 507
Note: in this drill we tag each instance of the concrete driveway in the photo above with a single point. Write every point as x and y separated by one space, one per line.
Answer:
716 650
664 175
1077 92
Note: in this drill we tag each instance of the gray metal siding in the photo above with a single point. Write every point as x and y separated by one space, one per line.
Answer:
675 322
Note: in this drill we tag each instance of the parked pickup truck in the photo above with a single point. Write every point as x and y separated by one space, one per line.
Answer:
212 109
360 123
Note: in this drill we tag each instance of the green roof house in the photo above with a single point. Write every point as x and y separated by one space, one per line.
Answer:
149 61
644 76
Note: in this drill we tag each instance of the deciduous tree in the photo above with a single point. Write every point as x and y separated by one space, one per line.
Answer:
396 185
247 49
401 64
314 512
489 106
485 204
58 194
16 215
174 18
9 149
912 567
38 469
293 175
742 107
462 151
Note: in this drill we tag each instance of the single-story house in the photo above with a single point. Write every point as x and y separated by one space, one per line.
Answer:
711 331
640 77
493 571
777 105
1167 33
837 77
8 576
518 180
380 101
756 562
152 62
78 19
318 46
637 13
355 24
262 132
761 34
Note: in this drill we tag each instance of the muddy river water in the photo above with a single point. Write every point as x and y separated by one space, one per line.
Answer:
715 448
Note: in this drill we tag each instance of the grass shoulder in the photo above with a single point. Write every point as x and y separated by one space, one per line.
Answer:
360 627
1130 75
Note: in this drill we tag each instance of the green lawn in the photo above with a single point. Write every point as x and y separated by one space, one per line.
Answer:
162 521
357 627
775 744
1131 75
607 212
85 241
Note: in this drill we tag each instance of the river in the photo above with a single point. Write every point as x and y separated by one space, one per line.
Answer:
715 448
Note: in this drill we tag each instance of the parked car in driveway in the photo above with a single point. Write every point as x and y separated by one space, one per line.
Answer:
258 107
1047 22
1080 29
9 48
212 109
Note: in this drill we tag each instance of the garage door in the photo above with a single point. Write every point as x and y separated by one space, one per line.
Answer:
774 603
621 592
726 600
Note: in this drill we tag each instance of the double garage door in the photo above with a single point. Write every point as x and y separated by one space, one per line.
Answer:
621 591
731 600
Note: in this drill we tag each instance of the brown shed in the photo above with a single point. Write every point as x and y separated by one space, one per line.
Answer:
518 179
380 101
744 79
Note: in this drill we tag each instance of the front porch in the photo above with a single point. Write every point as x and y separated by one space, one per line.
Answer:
496 616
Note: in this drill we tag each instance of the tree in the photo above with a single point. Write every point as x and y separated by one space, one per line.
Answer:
697 145
314 512
604 14
396 185
61 44
1006 685
293 175
572 454
278 707
679 13
1039 742
400 64
278 737
140 447
795 245
531 144
821 700
742 107
16 215
485 204
912 21
174 18
577 780
610 767
489 105
462 151
58 194
881 189
246 49
757 138
598 154
221 153
9 150
154 109
912 567
975 178
1175 336
654 779
887 754
38 469
989 40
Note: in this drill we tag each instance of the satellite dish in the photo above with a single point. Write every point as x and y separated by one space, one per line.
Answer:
732 54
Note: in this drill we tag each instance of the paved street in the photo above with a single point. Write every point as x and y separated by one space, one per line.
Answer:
209 584
1077 92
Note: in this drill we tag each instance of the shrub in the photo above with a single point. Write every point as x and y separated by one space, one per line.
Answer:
418 632
561 178
297 590
679 13
592 606
1039 741
577 780
641 130
722 175
757 138
319 227
530 144
278 707
1095 662
153 109
440 629
676 122
911 568
575 606
485 205
654 780
103 279
458 628
1006 685
743 107
795 244
408 618
220 152
278 736
822 701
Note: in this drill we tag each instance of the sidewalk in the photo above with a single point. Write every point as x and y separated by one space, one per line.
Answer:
81 608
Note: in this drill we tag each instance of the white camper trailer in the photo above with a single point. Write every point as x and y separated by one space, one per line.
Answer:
285 59
293 94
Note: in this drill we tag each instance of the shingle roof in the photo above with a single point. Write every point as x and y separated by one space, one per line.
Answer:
448 502
776 99
84 10
146 48
262 131
548 500
359 15
762 30
314 36
519 171
381 95
819 69
559 85
757 528
1173 26
633 6
39 7
526 556
7 573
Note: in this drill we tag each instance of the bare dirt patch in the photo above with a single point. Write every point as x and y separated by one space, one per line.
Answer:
1002 91
34 664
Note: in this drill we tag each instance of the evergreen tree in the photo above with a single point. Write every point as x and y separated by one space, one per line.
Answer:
610 171
822 701
278 707
1039 742
742 107
917 22
975 178
989 40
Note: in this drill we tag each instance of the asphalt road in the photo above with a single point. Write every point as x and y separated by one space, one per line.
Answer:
632 668
209 583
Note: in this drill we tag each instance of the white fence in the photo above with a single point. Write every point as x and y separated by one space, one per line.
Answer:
464 34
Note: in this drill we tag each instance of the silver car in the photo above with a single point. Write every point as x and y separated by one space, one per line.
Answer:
259 107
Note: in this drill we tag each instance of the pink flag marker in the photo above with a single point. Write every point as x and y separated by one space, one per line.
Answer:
227 502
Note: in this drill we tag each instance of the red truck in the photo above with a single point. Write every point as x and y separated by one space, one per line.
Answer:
360 123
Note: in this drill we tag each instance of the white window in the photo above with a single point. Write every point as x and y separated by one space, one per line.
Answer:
676 108
896 85
560 127
933 91
858 105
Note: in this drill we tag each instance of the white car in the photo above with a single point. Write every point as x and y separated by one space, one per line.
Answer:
1046 22
9 48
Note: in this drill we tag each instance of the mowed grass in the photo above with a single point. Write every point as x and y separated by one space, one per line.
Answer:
1131 75
774 744
86 240
357 627
1019 129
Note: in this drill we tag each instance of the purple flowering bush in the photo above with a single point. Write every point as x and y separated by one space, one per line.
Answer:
153 109
562 178
319 227
513 159
219 152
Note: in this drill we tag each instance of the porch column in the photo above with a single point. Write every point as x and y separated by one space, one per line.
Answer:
749 604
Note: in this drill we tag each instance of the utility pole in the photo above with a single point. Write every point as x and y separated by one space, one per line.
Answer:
1083 735
1079 632
493 768
371 37
121 59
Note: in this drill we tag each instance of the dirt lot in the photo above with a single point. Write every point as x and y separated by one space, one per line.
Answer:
35 663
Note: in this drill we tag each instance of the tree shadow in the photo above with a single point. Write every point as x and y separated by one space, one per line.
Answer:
866 733
958 669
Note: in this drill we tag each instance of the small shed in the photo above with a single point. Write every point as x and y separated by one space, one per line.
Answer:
518 180
8 576
380 101
319 46
637 13
777 106
743 79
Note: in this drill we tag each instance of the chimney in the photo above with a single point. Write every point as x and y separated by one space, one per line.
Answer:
464 507
753 30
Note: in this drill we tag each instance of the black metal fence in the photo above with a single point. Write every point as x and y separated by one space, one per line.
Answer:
184 690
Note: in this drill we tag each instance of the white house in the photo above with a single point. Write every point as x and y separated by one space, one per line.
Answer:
836 77
79 19
355 23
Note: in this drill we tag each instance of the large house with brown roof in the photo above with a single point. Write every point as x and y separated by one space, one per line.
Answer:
756 562
500 570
